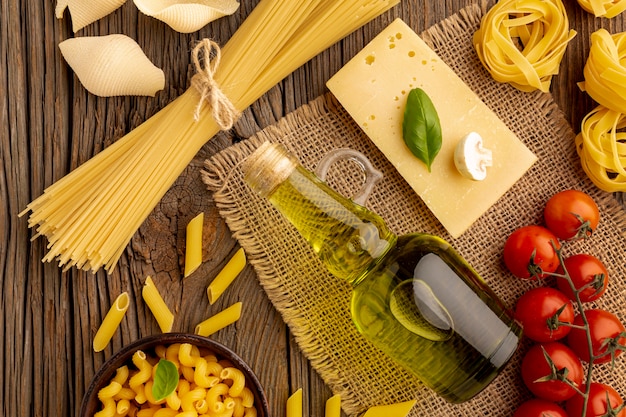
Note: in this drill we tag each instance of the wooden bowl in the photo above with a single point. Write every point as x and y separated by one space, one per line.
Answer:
91 404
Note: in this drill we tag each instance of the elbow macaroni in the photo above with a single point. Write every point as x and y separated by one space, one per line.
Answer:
129 393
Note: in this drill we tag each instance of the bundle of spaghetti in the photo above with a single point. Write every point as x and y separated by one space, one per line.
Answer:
90 215
522 42
603 8
605 71
601 146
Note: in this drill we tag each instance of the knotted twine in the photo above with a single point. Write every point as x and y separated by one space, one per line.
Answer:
223 110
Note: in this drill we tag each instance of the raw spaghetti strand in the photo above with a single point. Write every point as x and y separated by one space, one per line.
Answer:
522 42
90 215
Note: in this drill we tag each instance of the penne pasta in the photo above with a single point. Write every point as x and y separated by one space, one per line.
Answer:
220 320
111 322
396 410
156 304
226 276
333 406
294 404
193 245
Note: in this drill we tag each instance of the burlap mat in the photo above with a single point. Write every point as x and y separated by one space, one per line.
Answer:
315 305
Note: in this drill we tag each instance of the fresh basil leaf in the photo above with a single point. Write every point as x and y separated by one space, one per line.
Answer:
421 129
165 379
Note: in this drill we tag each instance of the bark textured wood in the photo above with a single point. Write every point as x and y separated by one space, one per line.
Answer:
49 125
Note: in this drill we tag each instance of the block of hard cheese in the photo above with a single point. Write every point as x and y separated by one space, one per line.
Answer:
373 87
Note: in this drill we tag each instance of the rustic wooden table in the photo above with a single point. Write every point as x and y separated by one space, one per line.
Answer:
49 125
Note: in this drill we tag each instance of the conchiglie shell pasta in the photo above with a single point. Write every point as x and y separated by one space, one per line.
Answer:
187 16
85 12
112 65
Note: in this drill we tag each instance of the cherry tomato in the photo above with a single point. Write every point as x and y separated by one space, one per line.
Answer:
538 312
537 407
529 252
585 271
597 404
607 336
535 366
571 214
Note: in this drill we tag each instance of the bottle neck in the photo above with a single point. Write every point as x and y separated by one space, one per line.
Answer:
348 238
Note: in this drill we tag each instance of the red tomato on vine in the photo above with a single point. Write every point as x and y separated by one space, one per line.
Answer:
545 367
608 336
545 314
571 214
588 274
529 252
597 402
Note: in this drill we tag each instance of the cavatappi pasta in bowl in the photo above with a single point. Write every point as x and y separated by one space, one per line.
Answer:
198 377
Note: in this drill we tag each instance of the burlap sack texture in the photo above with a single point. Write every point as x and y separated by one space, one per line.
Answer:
315 305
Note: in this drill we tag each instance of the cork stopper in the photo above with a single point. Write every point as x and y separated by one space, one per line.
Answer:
267 167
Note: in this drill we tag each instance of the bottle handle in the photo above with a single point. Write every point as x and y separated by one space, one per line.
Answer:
372 175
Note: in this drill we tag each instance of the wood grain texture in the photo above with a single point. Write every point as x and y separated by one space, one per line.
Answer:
49 125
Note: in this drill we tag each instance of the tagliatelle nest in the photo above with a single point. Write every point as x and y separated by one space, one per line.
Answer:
522 42
601 146
603 8
605 73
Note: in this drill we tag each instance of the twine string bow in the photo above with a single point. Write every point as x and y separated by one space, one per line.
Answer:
222 109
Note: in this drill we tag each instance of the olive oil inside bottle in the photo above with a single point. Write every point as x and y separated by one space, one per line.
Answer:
413 296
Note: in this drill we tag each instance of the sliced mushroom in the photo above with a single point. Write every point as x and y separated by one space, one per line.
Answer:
471 158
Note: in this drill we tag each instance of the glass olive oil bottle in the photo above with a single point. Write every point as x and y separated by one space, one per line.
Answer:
414 297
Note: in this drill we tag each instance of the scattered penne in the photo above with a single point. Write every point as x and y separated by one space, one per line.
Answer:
294 404
85 12
226 276
111 322
193 245
397 410
112 65
157 306
185 16
220 320
333 406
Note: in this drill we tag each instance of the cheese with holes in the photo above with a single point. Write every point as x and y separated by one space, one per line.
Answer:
373 87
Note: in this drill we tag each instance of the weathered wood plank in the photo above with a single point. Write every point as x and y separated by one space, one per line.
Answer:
49 125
